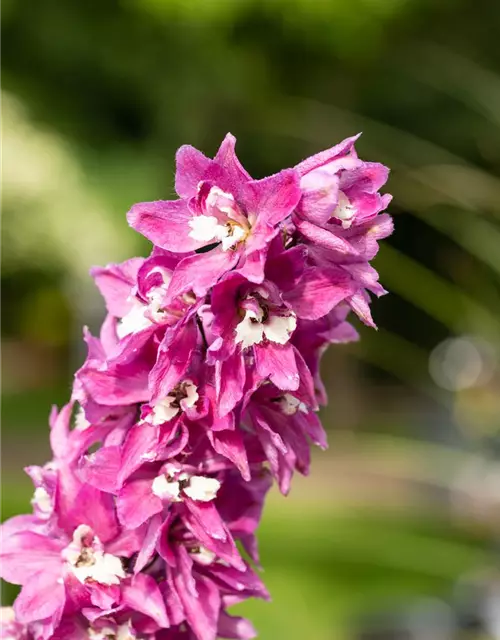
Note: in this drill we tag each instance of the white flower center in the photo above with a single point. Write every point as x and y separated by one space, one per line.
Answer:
202 489
87 559
81 422
344 210
42 501
183 397
252 329
197 488
203 556
166 489
224 222
290 405
137 318
7 614
122 632
134 321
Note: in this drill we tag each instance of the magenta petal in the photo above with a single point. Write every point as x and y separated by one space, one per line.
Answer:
286 269
319 290
25 553
191 168
116 387
277 362
100 469
273 198
165 223
143 594
226 157
365 237
229 443
311 424
167 547
324 157
319 197
202 609
78 504
174 355
115 282
136 503
127 542
42 597
21 523
246 581
201 271
254 265
149 543
324 238
206 516
59 430
184 569
104 596
173 604
360 305
139 447
235 627
366 276
230 382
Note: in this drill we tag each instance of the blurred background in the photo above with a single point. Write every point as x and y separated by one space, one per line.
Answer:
395 534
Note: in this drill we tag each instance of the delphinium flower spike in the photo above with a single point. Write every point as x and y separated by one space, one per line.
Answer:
202 387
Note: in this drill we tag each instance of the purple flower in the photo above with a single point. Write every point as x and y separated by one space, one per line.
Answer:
222 210
340 217
202 386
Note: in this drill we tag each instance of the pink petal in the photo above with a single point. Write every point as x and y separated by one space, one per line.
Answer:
100 469
319 197
126 542
59 430
148 547
319 290
324 157
324 238
274 198
202 607
230 382
286 268
226 157
277 362
254 264
191 168
104 596
361 307
139 447
25 553
115 282
173 604
136 503
201 271
229 443
78 503
42 597
235 627
165 223
119 386
206 517
174 356
143 595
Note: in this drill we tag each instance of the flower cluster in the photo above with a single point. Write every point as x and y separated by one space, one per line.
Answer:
202 387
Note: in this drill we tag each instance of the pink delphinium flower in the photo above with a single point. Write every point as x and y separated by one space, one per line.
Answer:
202 386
